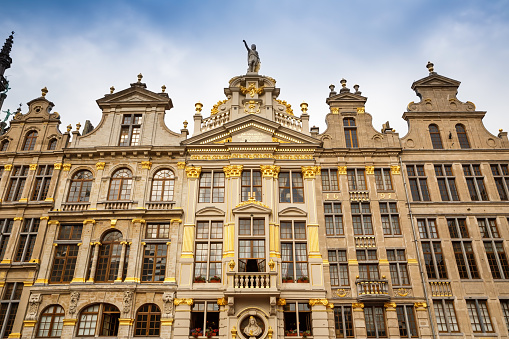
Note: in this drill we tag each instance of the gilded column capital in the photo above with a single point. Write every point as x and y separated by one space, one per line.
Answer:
32 167
181 165
66 167
18 218
281 301
44 217
309 172
395 169
233 170
420 306
100 165
176 220
141 221
181 301
270 171
358 306
53 222
370 169
89 221
390 306
7 167
146 164
222 301
57 166
313 302
334 110
70 322
342 170
193 171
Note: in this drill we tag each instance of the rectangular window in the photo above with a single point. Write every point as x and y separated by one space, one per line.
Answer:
130 131
463 251
158 231
398 266
16 183
66 254
390 218
356 179
251 185
488 228
251 245
445 316
427 228
333 219
9 306
343 321
446 183
291 187
383 179
368 265
418 182
375 321
505 311
497 259
501 175
361 218
5 234
209 250
294 264
27 238
42 181
204 317
406 321
479 316
297 317
330 179
338 266
434 259
154 262
475 182
211 187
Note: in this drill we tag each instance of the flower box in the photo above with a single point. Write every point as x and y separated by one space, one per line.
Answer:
288 279
303 280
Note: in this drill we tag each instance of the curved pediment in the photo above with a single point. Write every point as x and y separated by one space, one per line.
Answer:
252 207
293 212
211 211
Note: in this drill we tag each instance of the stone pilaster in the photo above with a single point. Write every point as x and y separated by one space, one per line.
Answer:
47 252
270 174
421 313
319 319
135 251
55 179
36 253
232 175
392 320
182 320
359 322
13 240
84 251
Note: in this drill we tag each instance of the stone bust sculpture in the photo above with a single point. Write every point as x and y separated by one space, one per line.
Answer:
253 59
252 330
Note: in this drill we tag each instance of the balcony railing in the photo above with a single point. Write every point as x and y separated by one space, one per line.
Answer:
440 288
115 205
161 205
252 282
75 206
365 242
372 290
359 195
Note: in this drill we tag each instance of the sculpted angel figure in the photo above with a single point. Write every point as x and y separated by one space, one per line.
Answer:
253 59
252 330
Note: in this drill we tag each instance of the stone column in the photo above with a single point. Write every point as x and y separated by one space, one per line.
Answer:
136 251
359 323
36 253
55 179
422 320
13 240
392 320
5 177
182 320
122 260
82 262
70 319
126 321
47 252
319 317
232 194
96 185
171 258
95 257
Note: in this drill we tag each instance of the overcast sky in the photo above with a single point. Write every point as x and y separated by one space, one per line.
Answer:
78 49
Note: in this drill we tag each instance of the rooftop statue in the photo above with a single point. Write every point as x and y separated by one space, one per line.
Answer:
253 59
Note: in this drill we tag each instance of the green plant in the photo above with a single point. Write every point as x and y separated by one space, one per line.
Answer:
303 279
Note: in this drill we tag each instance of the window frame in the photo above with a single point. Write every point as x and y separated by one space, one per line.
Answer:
42 182
306 316
374 321
418 182
292 187
392 225
462 137
52 144
216 193
213 240
446 316
343 326
289 260
248 187
151 317
350 129
436 139
6 226
500 174
333 217
475 179
369 269
53 315
463 248
365 220
82 185
30 140
26 240
167 185
446 182
382 183
131 139
398 266
207 317
107 264
17 182
99 321
328 183
11 297
356 178
125 185
4 145
66 239
405 321
335 257
480 315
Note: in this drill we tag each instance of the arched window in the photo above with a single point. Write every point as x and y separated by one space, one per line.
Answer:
51 322
462 136
120 186
52 144
109 257
30 141
162 186
81 185
350 133
148 321
435 137
4 145
99 318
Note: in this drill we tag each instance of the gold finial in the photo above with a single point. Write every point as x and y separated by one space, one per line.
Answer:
163 88
304 107
69 128
140 76
272 264
429 66
185 123
343 83
500 130
231 264
78 126
44 92
112 89
198 106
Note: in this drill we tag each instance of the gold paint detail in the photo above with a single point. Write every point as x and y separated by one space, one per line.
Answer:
28 283
17 335
57 166
274 139
193 171
334 110
113 222
402 292
342 170
341 292
234 332
41 281
5 261
390 306
313 302
251 200
89 221
181 165
215 108
125 322
231 264
23 200
132 279
167 322
272 264
281 302
100 165
360 110
270 332
233 171
251 89
176 220
289 109
420 306
29 323
270 171
7 167
66 167
250 156
198 106
309 172
358 306
32 167
180 301
49 199
370 169
18 218
45 217
353 262
222 301
146 164
35 261
70 322
395 169
141 221
53 222
78 280
413 261
383 262
170 279
252 107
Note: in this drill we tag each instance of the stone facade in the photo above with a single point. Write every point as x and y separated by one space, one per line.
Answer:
256 226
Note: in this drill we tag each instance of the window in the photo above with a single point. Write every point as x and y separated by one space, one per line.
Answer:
501 175
462 136
9 306
52 144
155 253
163 185
350 133
445 316
66 253
333 219
130 130
51 322
383 179
497 259
17 183
120 185
99 318
5 234
251 247
205 316
406 321
291 190
211 187
148 321
446 183
475 182
505 311
434 133
338 266
361 218
4 146
479 316
108 261
251 185
297 317
294 250
30 141
434 260
488 228
390 218
343 321
375 321
42 181
427 228
368 265
27 240
81 186
356 179
398 267
463 251
330 179
418 182
209 250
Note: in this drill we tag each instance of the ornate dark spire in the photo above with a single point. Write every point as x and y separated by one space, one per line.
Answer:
5 59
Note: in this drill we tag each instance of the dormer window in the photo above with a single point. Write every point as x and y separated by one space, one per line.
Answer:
30 141
52 144
350 133
131 130
436 140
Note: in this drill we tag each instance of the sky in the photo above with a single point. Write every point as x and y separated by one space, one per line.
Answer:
79 49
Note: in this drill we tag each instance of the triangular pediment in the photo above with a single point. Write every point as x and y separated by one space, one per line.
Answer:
252 207
435 80
135 95
347 97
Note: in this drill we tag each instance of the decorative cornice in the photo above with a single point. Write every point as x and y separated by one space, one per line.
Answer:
178 301
309 172
270 171
252 200
100 165
193 171
146 164
233 170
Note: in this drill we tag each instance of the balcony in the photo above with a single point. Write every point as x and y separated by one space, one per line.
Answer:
440 288
252 283
115 205
365 242
161 205
75 206
372 290
359 196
